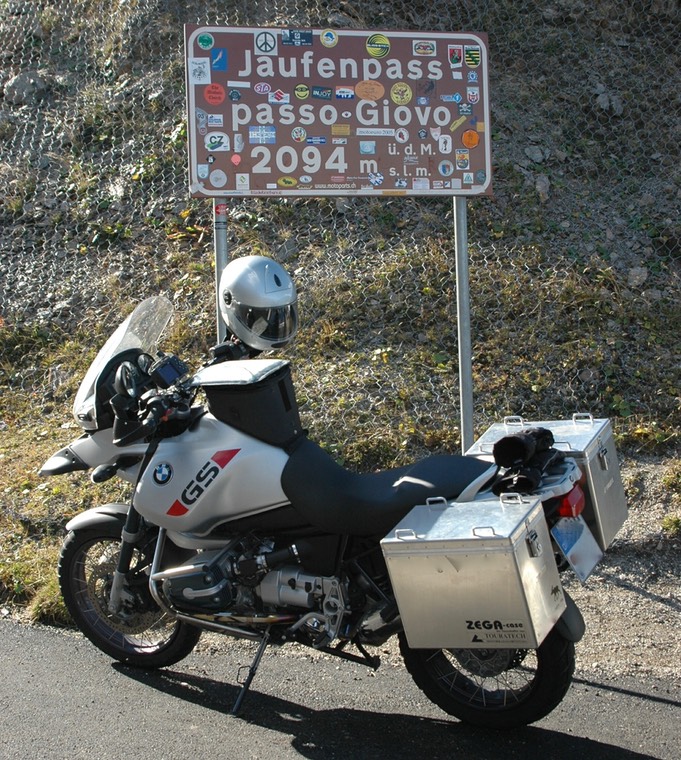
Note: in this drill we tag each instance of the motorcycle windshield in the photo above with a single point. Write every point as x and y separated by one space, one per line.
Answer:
141 330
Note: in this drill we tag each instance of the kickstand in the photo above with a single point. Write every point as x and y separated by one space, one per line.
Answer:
252 669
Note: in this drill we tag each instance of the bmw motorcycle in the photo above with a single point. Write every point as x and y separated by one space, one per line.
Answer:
240 524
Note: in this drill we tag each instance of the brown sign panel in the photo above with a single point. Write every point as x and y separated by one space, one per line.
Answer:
300 112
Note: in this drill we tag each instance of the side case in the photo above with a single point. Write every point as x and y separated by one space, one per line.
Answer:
591 444
478 574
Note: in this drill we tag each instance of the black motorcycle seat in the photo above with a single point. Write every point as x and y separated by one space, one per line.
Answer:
337 500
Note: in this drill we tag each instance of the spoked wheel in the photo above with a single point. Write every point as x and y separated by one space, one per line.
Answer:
494 688
140 633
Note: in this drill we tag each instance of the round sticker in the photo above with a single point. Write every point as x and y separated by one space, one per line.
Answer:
301 91
470 138
369 89
218 178
402 135
205 41
329 38
378 46
299 134
400 93
214 94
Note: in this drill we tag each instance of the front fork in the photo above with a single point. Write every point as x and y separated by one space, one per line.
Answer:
130 535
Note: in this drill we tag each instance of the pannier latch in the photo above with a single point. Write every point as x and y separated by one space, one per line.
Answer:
533 543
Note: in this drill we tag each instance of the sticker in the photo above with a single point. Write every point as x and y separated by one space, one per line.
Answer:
446 168
305 179
234 95
378 45
214 94
163 474
401 93
456 124
243 181
462 158
235 159
214 120
296 37
367 147
199 71
473 94
472 77
424 47
216 142
287 182
468 178
323 93
472 56
265 43
218 178
345 93
376 178
218 59
262 135
278 97
205 41
262 88
374 132
238 143
328 38
470 138
435 132
202 171
301 91
455 55
445 144
402 135
369 89
299 134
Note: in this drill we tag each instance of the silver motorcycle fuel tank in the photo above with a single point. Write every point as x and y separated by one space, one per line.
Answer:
207 475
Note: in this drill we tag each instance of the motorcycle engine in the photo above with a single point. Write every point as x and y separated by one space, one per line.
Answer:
226 579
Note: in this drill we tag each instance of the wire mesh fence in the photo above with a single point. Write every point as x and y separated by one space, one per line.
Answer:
574 262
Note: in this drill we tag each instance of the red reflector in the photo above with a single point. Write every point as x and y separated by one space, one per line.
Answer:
572 504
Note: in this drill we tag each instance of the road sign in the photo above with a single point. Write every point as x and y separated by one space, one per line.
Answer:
310 112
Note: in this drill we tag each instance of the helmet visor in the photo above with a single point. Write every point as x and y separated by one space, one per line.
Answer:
276 324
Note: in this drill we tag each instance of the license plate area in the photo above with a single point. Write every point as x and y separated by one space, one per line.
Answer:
578 545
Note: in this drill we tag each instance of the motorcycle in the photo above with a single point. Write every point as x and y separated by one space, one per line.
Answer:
240 524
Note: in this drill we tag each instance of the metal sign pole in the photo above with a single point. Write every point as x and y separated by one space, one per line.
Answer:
221 257
463 322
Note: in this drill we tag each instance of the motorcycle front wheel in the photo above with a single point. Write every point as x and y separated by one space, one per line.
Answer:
494 688
140 633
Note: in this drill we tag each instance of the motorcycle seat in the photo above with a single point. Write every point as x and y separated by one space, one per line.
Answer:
337 500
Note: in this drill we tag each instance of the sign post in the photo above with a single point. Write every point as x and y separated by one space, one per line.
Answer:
311 112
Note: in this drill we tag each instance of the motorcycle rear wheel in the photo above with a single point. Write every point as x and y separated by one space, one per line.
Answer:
141 634
494 688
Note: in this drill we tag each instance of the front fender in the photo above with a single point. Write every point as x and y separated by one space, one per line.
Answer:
571 625
110 515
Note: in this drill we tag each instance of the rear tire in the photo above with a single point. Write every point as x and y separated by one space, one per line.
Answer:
494 688
140 634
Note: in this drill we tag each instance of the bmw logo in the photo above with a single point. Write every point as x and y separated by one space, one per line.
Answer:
163 474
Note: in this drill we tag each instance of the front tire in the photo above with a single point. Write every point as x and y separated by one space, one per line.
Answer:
494 688
140 634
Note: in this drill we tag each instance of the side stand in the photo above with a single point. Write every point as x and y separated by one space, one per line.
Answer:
252 670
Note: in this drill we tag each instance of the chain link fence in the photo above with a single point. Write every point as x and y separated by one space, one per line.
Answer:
574 263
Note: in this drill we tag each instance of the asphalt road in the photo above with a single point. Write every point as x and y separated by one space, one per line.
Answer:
61 698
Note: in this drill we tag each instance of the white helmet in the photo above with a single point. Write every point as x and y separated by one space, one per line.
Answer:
258 302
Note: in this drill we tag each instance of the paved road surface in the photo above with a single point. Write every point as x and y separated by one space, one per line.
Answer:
61 698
